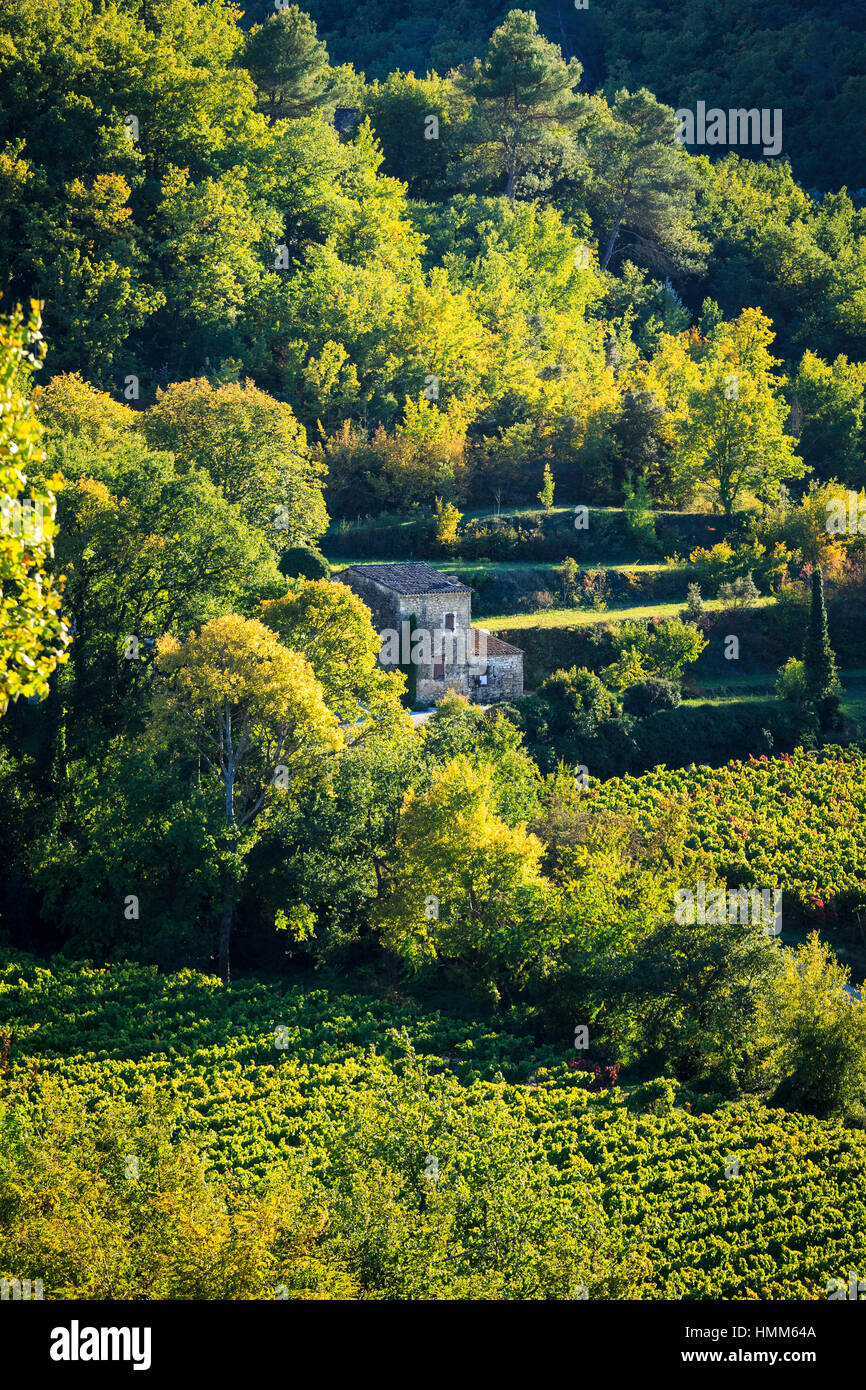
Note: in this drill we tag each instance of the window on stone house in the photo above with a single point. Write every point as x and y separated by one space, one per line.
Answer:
449 621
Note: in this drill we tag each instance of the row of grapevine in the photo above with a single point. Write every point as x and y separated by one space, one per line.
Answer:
738 1202
797 822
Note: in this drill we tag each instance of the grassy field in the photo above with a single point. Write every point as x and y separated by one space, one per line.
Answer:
585 617
517 566
759 688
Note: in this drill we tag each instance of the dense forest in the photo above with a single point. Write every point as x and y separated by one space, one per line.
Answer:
293 289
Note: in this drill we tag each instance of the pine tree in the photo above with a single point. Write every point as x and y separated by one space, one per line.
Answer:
819 660
289 65
526 108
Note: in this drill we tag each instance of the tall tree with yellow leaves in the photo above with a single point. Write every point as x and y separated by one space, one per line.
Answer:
255 715
33 634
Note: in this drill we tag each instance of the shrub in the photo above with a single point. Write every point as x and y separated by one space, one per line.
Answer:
723 563
448 519
574 718
303 562
637 506
542 599
568 579
695 607
659 648
740 593
791 683
650 695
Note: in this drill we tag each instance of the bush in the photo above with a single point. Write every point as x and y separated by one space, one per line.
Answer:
576 719
694 604
542 600
740 593
658 649
650 695
303 562
791 684
659 1097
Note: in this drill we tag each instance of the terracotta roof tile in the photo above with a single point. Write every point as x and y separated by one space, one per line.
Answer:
496 646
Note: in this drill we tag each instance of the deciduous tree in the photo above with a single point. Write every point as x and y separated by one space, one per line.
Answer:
254 713
33 634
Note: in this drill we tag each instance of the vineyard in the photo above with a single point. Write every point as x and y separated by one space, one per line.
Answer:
796 821
653 1192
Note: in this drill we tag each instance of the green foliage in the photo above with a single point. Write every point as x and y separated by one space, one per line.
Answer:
713 733
448 519
146 547
791 683
575 717
650 695
289 65
317 1156
223 759
417 152
33 634
410 668
254 715
545 496
222 430
303 562
486 737
658 649
524 107
742 592
815 1035
794 822
130 1182
197 214
723 564
829 402
695 608
732 439
462 884
643 186
637 504
331 627
689 997
750 54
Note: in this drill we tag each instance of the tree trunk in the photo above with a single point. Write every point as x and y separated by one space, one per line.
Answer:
227 917
614 234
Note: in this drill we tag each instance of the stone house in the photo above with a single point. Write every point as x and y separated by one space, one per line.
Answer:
425 617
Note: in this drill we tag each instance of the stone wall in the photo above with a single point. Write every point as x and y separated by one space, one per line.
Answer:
504 678
381 602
